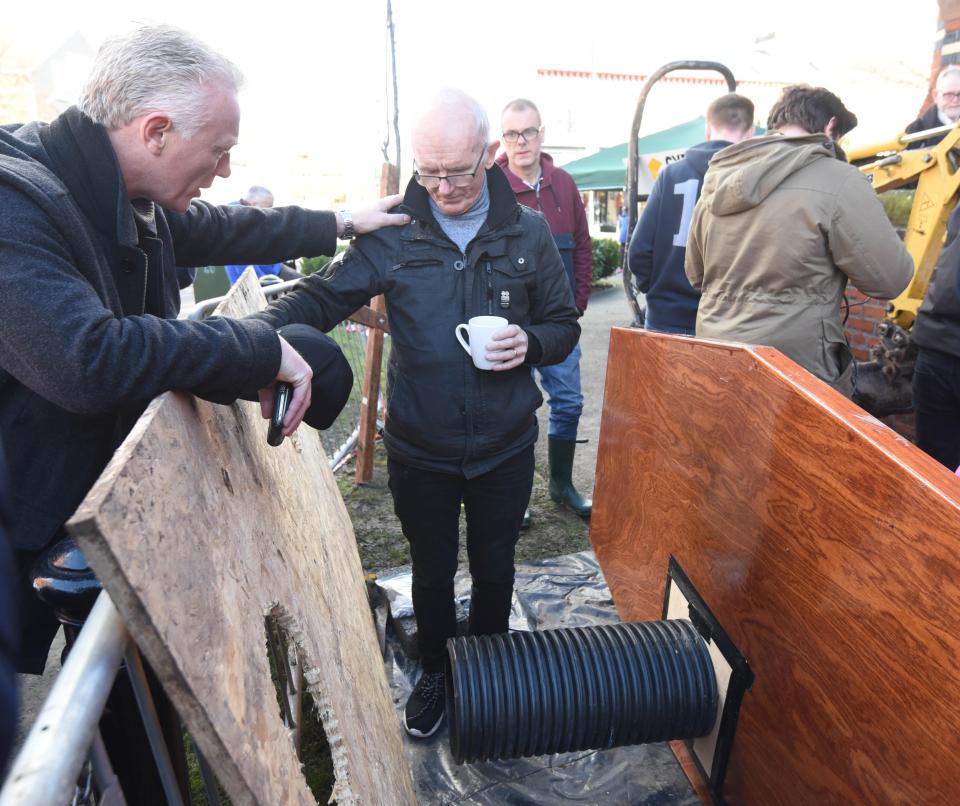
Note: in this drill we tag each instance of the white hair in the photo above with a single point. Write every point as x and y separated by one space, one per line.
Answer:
950 69
156 68
447 98
258 194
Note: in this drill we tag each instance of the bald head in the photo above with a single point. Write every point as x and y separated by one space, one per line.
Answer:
451 138
456 114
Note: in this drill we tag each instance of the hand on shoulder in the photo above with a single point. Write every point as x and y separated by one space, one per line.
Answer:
373 217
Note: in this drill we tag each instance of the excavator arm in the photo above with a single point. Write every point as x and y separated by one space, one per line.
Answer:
937 174
883 384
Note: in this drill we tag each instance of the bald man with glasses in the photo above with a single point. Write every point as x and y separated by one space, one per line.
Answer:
454 434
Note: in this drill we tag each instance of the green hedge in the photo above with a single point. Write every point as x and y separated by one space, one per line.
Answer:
606 257
897 204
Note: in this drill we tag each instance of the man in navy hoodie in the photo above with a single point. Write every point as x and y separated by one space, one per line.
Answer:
659 243
539 185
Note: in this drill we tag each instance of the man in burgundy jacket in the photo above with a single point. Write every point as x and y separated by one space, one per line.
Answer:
550 190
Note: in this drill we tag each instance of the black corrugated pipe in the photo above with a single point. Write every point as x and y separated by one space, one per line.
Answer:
582 688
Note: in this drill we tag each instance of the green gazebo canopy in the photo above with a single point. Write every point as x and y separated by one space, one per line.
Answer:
607 169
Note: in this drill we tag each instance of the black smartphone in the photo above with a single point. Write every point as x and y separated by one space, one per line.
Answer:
281 402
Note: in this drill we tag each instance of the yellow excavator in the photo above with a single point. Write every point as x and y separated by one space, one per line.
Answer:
884 382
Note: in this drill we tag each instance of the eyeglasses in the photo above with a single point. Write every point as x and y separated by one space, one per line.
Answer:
454 180
527 134
952 96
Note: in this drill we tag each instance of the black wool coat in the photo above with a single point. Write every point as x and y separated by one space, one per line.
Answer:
88 300
444 414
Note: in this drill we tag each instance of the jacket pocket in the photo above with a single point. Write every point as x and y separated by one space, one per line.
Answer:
837 357
507 409
419 283
510 287
416 263
565 244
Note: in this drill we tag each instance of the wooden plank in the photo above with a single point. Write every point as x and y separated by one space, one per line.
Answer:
198 529
366 438
826 545
371 318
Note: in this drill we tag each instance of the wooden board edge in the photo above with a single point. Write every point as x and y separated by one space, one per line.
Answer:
848 414
83 528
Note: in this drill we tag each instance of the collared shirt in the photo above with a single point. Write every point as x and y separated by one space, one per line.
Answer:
535 187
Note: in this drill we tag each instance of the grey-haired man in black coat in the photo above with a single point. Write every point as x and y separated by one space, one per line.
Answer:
99 207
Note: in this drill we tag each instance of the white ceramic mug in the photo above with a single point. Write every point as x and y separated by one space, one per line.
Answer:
479 330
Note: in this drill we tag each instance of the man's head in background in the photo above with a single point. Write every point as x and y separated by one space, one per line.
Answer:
947 95
522 133
730 118
257 196
802 109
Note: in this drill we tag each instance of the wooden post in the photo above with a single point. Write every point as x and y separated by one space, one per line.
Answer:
389 183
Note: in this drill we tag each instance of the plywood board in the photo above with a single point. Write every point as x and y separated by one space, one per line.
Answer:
198 529
826 545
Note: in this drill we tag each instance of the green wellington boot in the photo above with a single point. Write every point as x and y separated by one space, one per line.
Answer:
560 454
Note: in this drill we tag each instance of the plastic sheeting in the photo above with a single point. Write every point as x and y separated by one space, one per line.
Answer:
566 591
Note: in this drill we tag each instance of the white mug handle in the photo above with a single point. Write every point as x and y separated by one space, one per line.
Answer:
465 345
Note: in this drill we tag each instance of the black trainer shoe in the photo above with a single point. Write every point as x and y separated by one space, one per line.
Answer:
424 711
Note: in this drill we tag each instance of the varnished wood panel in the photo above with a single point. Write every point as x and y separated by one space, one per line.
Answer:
197 529
827 546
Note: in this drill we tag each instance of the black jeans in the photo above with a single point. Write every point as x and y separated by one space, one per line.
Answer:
936 399
428 506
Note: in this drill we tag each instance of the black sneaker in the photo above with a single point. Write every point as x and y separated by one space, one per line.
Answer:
424 711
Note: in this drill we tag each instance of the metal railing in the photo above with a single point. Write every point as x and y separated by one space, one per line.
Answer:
48 766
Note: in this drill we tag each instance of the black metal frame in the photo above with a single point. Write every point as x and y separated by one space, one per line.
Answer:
741 676
633 159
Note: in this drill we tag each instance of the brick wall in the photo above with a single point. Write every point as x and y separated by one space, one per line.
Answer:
861 329
865 313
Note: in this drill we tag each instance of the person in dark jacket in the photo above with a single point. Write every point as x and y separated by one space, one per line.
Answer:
945 110
541 186
259 196
659 243
454 434
936 375
98 211
9 633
